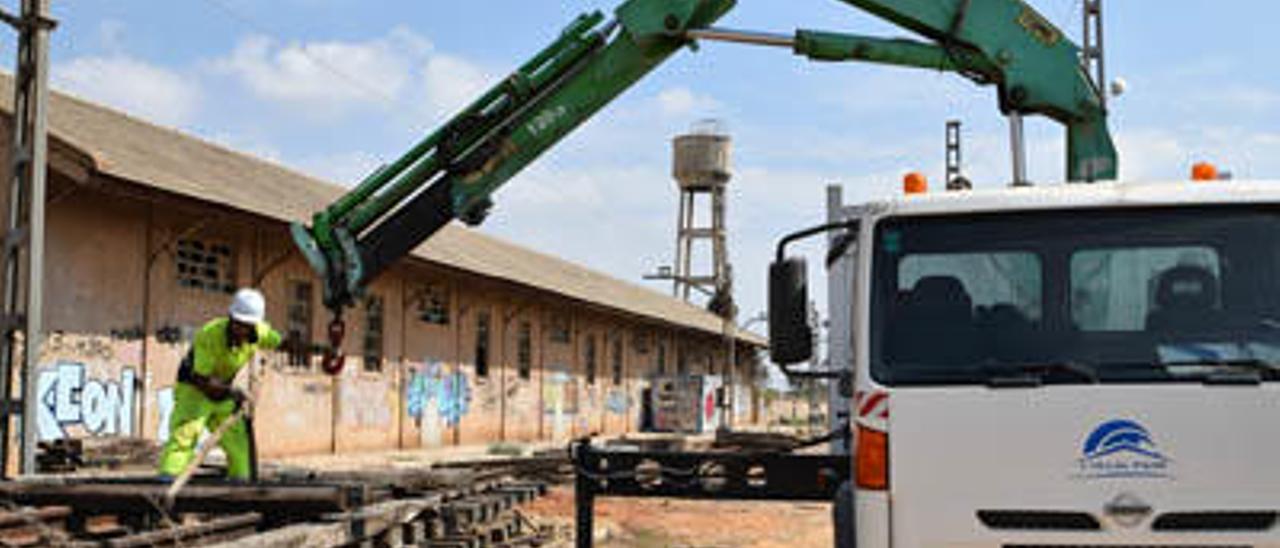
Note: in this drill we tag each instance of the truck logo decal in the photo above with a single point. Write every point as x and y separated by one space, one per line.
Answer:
1122 448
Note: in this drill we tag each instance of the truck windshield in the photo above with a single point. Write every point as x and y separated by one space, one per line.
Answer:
1082 296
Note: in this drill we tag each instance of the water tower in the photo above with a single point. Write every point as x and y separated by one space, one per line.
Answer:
701 169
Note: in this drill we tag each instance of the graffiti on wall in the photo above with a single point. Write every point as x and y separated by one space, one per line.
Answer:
486 394
454 398
559 391
616 402
71 402
559 399
124 346
433 395
420 389
741 402
364 404
164 407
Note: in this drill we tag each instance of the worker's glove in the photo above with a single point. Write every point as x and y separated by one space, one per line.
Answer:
215 390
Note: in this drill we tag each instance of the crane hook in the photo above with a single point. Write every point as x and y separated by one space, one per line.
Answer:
333 359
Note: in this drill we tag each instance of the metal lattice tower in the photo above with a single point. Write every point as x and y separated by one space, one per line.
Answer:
1092 51
24 236
955 180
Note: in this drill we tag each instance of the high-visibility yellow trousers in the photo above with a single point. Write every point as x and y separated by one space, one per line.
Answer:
192 415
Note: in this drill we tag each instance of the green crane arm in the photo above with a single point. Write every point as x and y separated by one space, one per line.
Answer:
452 173
1036 68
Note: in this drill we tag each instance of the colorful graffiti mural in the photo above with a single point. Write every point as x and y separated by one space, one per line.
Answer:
366 404
559 391
559 399
449 392
73 403
164 408
455 398
741 402
616 402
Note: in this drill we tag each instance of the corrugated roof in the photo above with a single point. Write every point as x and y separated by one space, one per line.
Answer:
129 148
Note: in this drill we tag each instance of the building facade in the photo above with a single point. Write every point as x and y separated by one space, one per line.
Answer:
471 340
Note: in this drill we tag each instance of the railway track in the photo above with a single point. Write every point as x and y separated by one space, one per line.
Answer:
458 505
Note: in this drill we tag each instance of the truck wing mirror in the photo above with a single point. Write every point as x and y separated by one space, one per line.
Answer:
790 335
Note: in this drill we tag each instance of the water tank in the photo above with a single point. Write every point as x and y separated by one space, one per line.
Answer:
701 157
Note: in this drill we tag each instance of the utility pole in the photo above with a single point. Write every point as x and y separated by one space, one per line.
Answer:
24 236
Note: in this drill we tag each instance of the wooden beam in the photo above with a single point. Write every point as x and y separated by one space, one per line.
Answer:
117 498
219 529
26 516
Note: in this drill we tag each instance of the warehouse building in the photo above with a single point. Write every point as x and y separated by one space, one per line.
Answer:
471 340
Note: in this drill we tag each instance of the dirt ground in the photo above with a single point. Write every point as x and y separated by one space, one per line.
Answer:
620 522
655 523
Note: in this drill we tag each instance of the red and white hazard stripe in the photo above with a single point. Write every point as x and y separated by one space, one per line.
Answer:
871 407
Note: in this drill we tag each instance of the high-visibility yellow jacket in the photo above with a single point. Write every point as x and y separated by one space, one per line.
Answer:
213 358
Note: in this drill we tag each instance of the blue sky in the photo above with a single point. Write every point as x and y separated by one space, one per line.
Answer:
334 87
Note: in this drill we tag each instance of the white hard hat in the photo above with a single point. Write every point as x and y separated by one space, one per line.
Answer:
248 306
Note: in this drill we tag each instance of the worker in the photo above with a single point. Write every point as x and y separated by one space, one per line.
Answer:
203 397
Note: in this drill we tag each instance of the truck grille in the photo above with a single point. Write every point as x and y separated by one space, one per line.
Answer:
1038 520
1215 521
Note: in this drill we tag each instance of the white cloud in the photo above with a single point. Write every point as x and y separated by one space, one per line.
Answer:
583 214
682 101
325 78
874 91
1150 154
619 217
1167 153
345 169
1209 100
540 188
148 91
1251 98
111 34
451 83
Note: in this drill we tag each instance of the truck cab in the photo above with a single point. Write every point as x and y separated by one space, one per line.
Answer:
1071 365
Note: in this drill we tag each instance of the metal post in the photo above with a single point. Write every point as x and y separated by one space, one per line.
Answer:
26 220
726 416
35 264
680 251
583 495
840 295
1018 150
811 385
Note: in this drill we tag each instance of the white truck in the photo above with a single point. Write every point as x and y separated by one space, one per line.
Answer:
1070 365
1080 365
